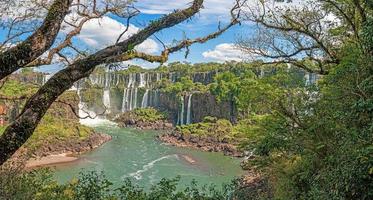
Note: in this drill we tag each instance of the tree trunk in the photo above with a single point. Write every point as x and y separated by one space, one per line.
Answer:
38 43
23 127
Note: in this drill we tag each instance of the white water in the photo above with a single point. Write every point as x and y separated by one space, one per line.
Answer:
159 77
142 80
137 175
46 77
144 102
88 117
189 109
106 99
124 101
181 115
307 77
135 99
130 94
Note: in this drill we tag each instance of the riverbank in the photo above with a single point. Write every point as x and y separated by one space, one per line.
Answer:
59 151
209 144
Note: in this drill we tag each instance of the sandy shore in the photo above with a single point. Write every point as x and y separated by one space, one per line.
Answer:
50 160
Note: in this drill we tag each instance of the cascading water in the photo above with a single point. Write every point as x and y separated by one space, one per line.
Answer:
106 95
46 77
125 99
130 94
158 77
134 98
106 99
307 78
181 113
142 80
189 109
144 102
88 117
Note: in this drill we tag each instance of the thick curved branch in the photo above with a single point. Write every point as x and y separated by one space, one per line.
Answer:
39 42
18 132
84 16
181 45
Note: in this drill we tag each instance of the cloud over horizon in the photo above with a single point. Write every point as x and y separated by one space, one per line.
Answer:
225 52
99 33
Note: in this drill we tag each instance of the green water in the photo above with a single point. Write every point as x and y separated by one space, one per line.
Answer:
137 155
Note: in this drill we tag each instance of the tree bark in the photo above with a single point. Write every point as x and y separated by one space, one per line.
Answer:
36 44
22 128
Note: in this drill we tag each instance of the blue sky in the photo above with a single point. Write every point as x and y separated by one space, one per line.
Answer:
99 33
204 23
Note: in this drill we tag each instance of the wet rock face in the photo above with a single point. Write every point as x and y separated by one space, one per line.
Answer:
205 104
136 90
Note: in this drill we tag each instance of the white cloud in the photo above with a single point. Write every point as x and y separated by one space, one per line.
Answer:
230 52
99 33
220 9
225 52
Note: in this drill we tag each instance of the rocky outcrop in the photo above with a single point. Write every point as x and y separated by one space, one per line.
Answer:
60 149
208 143
131 119
146 125
71 146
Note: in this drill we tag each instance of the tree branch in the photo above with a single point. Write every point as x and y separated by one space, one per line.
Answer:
35 45
18 132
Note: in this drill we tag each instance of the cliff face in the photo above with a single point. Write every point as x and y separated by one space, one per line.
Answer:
206 104
119 93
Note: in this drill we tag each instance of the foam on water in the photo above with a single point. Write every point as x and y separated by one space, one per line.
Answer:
138 174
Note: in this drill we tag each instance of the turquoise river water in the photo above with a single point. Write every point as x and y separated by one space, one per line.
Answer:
139 156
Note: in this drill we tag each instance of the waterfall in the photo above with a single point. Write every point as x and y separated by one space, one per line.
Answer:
189 109
117 80
148 80
261 73
46 77
144 102
107 80
142 80
106 99
134 98
131 98
171 75
158 77
131 80
130 94
308 78
88 117
181 114
125 99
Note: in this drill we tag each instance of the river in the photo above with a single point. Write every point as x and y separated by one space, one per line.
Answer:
137 155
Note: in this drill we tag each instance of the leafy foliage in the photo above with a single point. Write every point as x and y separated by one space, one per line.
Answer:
149 114
92 185
221 129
